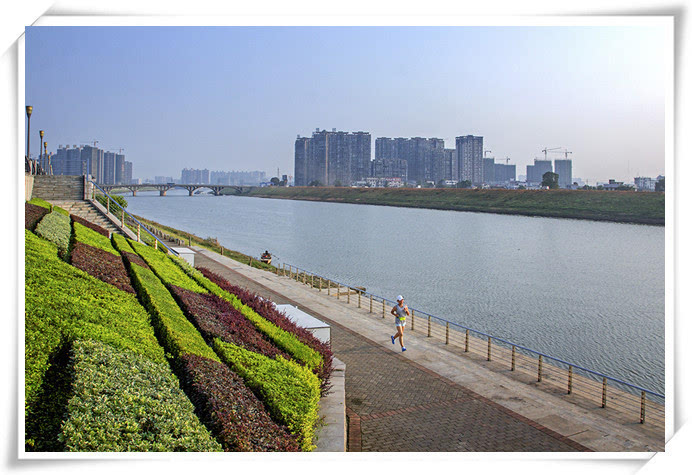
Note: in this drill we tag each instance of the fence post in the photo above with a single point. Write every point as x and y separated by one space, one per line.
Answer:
603 398
303 277
359 299
108 204
514 354
540 367
569 380
122 219
428 325
329 287
338 290
320 283
348 295
156 243
466 345
447 333
138 226
642 412
413 319
312 280
370 303
382 308
489 340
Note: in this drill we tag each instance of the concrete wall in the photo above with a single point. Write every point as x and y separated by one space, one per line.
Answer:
28 187
58 187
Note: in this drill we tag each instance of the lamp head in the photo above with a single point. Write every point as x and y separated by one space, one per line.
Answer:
29 109
40 132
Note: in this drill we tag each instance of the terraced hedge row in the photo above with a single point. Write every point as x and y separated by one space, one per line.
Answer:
33 214
55 227
267 310
123 401
282 338
290 391
64 305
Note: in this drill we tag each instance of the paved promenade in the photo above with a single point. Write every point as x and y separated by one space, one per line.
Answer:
429 399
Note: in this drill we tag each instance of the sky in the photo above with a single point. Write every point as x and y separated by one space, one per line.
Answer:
235 98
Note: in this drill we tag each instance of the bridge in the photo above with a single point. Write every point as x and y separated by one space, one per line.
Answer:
190 187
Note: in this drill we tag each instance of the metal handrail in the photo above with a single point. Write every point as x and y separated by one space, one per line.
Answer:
142 226
420 312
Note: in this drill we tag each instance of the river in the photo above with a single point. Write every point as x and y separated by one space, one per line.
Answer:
588 292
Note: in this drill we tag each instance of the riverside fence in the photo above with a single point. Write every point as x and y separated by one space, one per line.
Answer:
591 388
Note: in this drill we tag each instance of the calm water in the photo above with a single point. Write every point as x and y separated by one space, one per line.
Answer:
588 292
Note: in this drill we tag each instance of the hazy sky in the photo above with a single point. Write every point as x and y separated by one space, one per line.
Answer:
234 98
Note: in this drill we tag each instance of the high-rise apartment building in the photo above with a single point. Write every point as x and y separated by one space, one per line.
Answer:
119 169
92 158
563 168
109 168
451 165
127 176
470 158
488 170
330 158
194 176
505 173
390 168
535 172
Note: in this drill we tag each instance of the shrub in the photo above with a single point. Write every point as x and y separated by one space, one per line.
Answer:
88 236
55 227
215 318
60 296
175 331
127 252
33 214
123 402
90 225
40 202
232 412
101 264
281 338
266 309
63 303
165 268
290 391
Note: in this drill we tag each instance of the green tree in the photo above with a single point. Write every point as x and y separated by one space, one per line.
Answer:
275 181
550 180
660 185
464 184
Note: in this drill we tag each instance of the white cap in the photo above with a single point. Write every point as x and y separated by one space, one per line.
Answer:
399 297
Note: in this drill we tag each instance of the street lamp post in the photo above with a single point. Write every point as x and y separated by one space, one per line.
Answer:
40 148
29 109
45 166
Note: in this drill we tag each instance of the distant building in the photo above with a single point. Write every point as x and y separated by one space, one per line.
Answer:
162 180
330 158
644 183
127 176
489 170
470 158
194 176
108 168
389 167
563 168
505 173
237 178
120 169
93 161
535 172
451 165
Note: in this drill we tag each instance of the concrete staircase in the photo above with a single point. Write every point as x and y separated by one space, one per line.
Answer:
87 210
58 187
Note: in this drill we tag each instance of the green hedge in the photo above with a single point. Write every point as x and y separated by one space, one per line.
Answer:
55 227
290 391
63 300
124 402
92 238
175 331
166 269
285 340
40 202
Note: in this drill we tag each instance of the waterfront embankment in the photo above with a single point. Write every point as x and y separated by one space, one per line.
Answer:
615 206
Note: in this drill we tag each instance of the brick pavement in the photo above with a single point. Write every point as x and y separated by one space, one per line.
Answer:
394 404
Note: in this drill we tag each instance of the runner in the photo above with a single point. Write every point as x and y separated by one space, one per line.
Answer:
400 311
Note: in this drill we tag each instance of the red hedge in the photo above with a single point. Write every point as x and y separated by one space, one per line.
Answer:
134 259
33 214
230 410
101 264
266 309
216 318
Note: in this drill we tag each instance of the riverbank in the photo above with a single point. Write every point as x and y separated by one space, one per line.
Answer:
615 206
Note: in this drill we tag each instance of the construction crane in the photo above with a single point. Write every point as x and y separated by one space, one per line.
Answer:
84 142
546 150
566 153
507 160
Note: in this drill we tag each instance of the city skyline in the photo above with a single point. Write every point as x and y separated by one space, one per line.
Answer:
163 95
